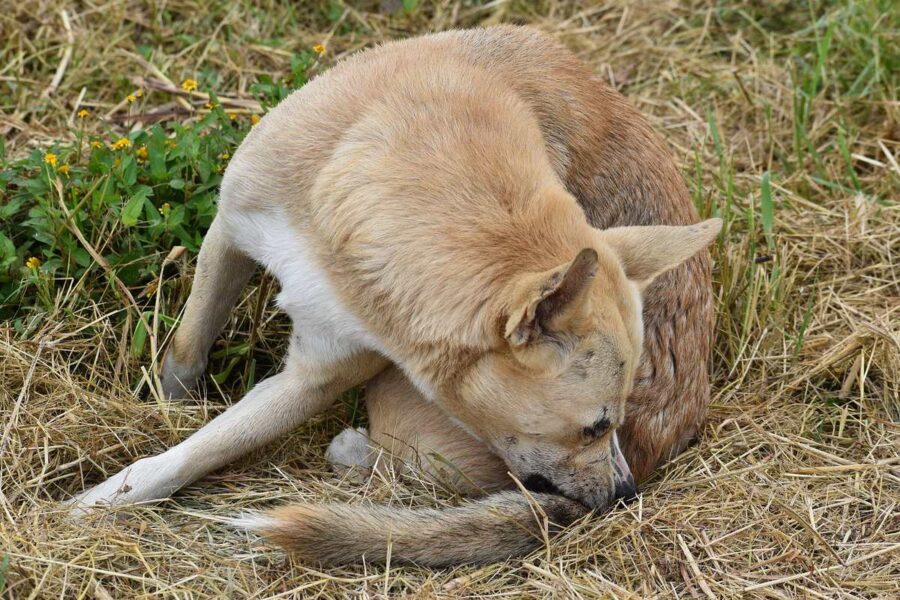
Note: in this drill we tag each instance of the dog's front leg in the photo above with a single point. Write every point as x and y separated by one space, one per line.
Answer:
271 409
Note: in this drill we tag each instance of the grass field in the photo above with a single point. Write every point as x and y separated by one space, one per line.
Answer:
786 119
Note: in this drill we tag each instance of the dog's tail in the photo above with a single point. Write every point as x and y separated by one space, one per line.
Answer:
494 528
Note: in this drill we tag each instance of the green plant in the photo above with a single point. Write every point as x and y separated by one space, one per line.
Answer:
110 207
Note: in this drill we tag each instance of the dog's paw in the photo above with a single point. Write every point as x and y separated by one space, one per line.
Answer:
178 380
349 451
144 481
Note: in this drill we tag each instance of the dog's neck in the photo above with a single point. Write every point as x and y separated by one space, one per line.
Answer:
427 261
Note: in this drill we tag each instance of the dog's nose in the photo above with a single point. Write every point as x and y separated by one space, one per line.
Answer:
626 490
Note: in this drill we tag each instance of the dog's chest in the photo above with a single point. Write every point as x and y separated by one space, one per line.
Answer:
324 329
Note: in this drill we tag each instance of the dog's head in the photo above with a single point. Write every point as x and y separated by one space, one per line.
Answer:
548 400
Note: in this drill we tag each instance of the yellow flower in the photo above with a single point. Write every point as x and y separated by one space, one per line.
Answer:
50 159
33 263
64 169
121 144
131 97
189 85
210 105
170 144
95 144
254 119
233 116
165 208
319 49
224 156
139 93
141 152
83 113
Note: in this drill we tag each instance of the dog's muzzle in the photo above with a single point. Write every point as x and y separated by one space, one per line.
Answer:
593 496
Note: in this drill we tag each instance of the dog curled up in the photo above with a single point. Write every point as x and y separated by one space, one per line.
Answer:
500 248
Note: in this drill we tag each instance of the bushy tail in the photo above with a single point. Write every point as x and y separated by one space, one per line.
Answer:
494 528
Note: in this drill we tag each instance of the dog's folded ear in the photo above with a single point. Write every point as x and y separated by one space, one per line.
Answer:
546 301
647 252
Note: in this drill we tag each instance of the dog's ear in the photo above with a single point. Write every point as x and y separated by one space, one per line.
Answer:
547 301
647 252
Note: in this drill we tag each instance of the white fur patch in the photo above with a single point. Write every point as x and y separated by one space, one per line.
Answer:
350 448
324 329
252 521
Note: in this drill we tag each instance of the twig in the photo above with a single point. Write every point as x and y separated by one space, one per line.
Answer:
67 56
161 113
76 106
171 88
701 580
174 254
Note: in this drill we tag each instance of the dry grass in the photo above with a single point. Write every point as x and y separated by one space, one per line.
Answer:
793 489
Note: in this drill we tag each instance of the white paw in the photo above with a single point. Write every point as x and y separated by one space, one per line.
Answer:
350 448
146 480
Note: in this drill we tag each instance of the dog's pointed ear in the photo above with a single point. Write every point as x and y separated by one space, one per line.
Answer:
544 301
647 252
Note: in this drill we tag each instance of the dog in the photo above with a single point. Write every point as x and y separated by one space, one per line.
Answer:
496 242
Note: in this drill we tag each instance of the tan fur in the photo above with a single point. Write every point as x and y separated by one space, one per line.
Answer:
494 528
470 199
408 432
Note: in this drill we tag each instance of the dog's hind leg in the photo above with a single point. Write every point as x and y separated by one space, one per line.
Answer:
271 409
408 432
222 272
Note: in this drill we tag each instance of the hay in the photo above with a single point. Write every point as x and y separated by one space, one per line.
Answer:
793 487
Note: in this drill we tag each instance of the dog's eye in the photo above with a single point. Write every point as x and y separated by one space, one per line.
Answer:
597 430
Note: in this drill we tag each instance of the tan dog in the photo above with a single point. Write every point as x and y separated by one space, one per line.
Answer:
474 216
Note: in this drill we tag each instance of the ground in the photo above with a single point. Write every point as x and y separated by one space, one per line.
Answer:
786 120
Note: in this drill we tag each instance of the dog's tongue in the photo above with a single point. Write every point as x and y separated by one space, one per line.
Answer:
625 486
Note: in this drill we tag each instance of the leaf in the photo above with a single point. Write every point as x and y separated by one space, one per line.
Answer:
139 339
176 184
222 375
12 207
156 154
767 209
205 170
82 257
135 205
714 132
176 216
36 187
7 248
129 171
